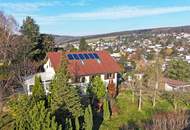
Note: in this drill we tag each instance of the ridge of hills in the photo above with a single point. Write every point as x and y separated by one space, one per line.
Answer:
61 39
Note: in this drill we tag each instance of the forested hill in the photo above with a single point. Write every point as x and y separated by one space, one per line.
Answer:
63 39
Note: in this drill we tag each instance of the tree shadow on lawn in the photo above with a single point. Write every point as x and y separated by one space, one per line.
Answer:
97 120
97 116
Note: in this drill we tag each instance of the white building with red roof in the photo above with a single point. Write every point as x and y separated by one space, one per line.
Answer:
171 85
82 66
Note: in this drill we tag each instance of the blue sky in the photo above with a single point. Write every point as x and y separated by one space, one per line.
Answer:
87 17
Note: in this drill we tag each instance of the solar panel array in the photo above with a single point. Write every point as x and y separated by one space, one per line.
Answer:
84 56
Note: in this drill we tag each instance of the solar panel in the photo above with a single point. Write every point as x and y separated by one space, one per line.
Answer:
91 56
76 57
70 57
96 55
86 56
81 56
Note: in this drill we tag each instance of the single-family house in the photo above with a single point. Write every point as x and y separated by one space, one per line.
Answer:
82 66
171 85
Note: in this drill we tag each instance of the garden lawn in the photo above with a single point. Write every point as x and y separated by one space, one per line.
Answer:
128 111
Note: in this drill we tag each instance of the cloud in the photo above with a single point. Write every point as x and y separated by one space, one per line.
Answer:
112 13
120 13
27 6
36 6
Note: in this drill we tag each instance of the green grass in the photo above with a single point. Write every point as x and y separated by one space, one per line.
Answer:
5 121
128 111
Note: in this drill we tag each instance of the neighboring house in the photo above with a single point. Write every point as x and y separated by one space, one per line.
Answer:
187 58
171 85
83 66
139 76
116 56
46 78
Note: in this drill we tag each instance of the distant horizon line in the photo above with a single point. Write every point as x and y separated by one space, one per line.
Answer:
130 30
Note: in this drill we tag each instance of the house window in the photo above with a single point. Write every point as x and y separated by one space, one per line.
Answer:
92 77
82 79
77 79
30 88
109 76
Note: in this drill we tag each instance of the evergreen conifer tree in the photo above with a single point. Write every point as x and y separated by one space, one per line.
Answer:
40 118
38 90
29 112
63 96
88 118
36 118
98 88
77 124
106 114
68 124
83 46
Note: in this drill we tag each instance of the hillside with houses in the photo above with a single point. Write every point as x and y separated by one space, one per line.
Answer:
176 40
118 81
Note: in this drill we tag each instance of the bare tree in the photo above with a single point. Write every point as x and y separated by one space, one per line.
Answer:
157 80
153 80
140 91
8 28
132 86
178 120
13 52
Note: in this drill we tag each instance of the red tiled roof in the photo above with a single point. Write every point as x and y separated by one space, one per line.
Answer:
86 67
174 83
55 58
